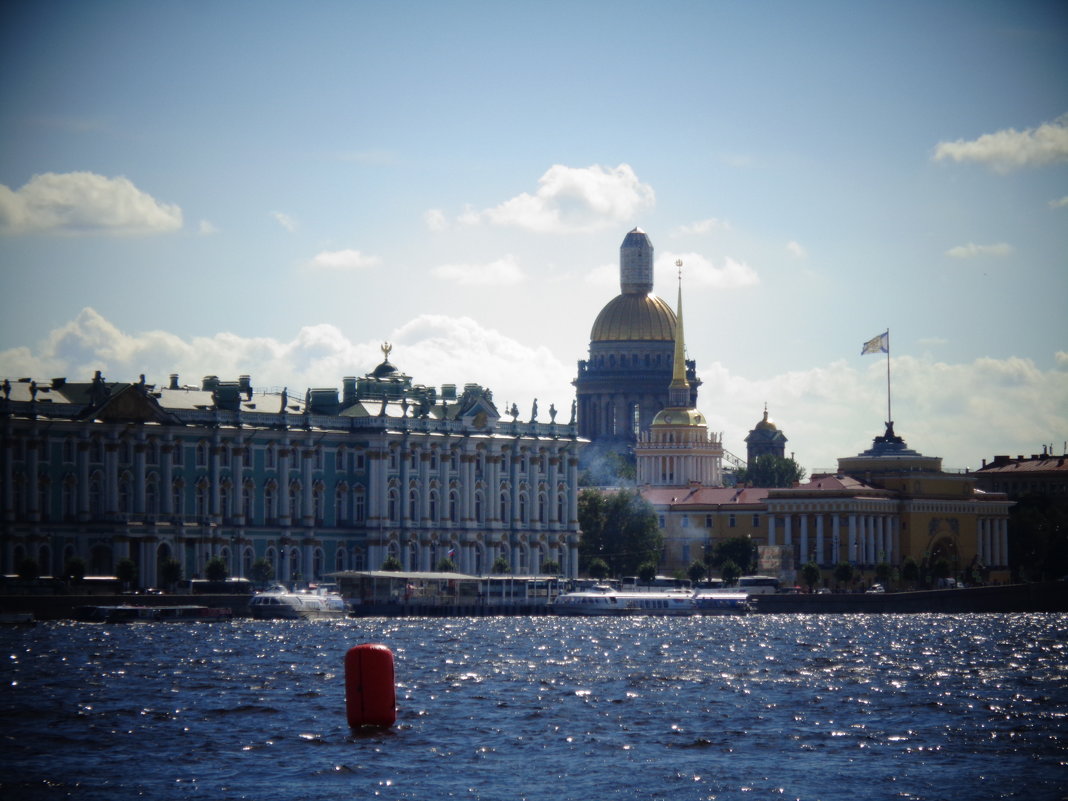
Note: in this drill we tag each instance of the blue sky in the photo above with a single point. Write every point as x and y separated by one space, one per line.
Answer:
276 188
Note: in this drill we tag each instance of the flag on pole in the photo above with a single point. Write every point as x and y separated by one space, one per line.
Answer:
879 344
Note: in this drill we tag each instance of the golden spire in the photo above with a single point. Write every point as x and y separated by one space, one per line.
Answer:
679 391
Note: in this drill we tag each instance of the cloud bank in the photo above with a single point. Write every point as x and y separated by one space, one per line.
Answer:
1010 149
961 412
84 203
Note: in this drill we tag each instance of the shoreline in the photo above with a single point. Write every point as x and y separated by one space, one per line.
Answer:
1049 596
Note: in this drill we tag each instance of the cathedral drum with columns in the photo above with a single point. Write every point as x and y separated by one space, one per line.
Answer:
624 383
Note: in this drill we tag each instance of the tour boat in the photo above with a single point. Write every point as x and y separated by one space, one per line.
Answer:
278 603
603 600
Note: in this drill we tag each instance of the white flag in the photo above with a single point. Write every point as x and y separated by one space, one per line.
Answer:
879 344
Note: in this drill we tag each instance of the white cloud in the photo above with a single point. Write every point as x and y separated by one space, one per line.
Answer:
795 249
1060 203
698 271
84 203
435 220
971 250
573 199
703 226
961 412
285 221
1011 149
433 349
342 260
206 228
502 272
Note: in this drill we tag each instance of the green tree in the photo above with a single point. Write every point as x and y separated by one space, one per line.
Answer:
696 572
392 564
883 572
769 470
550 568
501 566
74 569
216 569
597 568
810 574
739 550
445 565
262 571
941 569
170 572
910 571
843 573
126 572
647 572
730 572
619 527
29 569
1038 539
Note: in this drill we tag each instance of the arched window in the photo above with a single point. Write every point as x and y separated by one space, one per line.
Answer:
270 456
359 506
202 454
318 502
70 497
246 501
340 510
433 504
295 496
270 504
178 497
96 494
152 496
504 504
413 505
391 506
479 518
454 501
201 499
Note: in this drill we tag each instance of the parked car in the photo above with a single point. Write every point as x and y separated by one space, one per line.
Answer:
876 588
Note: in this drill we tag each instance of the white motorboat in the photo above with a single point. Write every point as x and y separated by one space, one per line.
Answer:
603 600
279 603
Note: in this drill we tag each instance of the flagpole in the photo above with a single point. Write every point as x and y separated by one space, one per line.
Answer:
889 417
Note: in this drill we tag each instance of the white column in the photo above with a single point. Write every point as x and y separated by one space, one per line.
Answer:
804 539
836 539
853 554
283 491
771 529
820 558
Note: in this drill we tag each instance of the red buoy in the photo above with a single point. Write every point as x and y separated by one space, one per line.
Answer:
370 691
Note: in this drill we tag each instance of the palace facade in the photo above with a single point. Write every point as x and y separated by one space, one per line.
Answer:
107 471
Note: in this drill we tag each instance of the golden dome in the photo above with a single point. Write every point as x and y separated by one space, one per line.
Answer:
634 318
766 424
679 417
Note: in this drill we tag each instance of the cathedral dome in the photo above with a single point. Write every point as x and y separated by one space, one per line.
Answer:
679 417
765 424
634 318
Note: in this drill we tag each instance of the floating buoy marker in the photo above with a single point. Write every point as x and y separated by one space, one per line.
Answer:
370 690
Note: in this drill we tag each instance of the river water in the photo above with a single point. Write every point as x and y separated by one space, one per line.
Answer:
765 706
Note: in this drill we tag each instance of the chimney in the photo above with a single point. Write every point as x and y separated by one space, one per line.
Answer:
174 381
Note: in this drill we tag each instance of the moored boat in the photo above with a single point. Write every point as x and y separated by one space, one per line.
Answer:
603 600
279 603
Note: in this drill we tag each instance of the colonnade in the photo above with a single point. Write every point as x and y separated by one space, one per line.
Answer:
860 538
